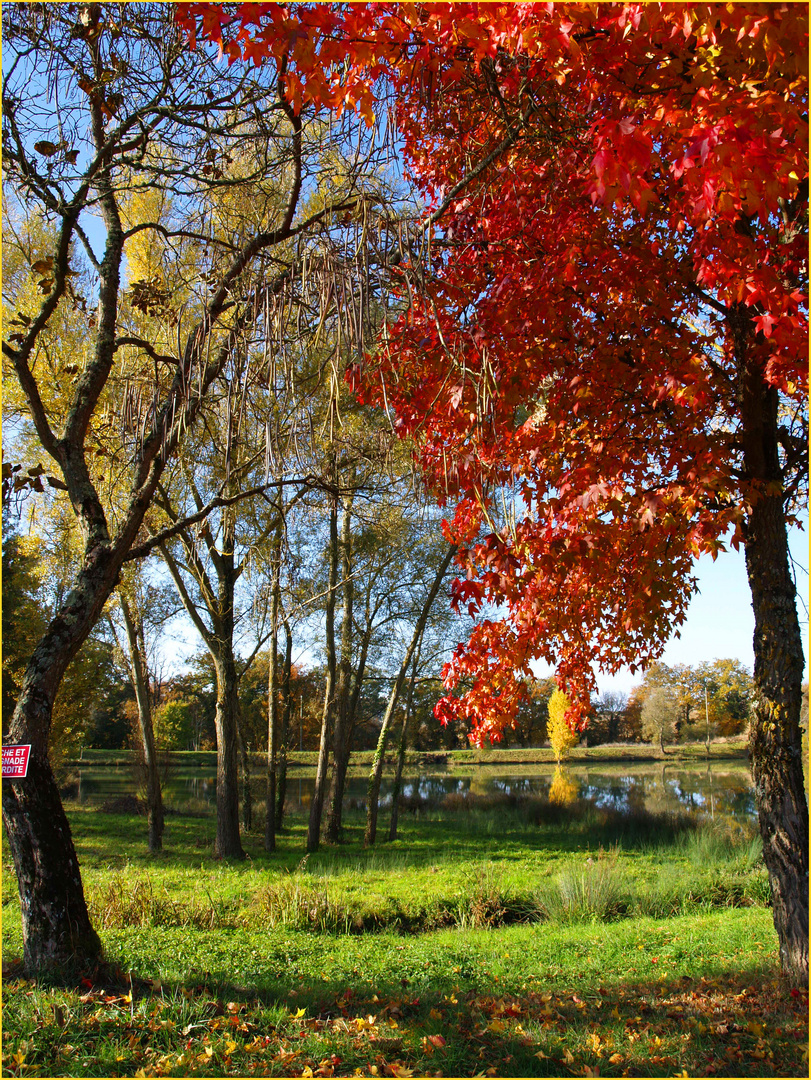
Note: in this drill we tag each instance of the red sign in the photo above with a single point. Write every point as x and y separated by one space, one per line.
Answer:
15 760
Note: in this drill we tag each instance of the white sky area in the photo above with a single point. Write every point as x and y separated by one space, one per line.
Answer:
720 623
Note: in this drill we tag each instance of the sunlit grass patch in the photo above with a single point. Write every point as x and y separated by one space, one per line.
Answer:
641 997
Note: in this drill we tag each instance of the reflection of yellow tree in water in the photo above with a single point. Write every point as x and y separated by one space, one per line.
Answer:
564 790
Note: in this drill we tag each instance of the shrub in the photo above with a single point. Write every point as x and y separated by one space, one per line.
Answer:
128 901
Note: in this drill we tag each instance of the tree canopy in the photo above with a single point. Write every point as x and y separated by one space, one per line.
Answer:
605 337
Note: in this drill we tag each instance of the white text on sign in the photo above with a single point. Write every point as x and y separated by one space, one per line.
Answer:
15 760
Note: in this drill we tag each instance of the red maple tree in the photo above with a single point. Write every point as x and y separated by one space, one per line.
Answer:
604 355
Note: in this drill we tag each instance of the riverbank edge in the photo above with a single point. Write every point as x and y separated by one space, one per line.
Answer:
611 754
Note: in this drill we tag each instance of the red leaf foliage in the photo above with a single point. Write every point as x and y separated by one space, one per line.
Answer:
570 364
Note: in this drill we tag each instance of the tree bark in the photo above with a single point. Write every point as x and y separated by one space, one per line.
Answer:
343 719
226 717
245 766
775 739
317 804
220 643
56 925
281 760
140 684
373 790
401 751
227 844
273 704
55 922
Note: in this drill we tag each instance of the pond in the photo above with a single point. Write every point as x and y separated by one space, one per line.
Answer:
723 789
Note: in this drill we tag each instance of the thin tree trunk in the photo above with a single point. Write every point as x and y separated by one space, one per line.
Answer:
245 765
281 760
373 790
140 684
341 736
317 804
226 718
273 703
220 643
401 751
775 737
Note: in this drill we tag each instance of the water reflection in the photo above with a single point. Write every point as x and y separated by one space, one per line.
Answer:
564 789
720 789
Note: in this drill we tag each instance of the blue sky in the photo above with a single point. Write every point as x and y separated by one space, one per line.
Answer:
720 622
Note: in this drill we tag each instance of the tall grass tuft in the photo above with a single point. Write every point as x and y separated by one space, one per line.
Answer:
590 892
723 844
484 902
132 901
296 902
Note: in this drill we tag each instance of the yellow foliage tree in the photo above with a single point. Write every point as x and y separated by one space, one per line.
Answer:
560 735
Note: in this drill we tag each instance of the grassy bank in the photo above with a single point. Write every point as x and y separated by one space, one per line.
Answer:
478 861
720 750
506 937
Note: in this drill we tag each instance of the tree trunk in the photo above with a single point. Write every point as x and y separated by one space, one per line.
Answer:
342 733
227 844
245 765
220 643
273 703
56 925
316 806
140 684
775 739
401 751
373 790
55 922
281 760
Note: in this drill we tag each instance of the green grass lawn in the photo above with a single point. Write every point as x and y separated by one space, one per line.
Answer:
514 940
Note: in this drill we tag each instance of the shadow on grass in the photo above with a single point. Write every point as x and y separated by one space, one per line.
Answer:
109 1023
